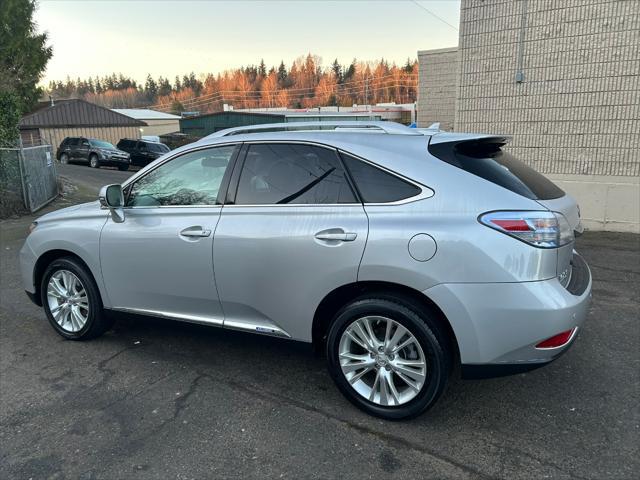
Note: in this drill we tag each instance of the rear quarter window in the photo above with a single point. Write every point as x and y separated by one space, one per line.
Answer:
486 159
375 185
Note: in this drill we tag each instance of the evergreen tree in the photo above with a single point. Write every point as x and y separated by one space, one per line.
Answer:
351 71
150 88
282 72
24 52
337 70
262 69
408 67
164 87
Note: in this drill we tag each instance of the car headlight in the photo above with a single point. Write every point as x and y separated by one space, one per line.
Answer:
32 227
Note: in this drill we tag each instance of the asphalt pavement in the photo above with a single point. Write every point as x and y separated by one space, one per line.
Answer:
90 180
159 399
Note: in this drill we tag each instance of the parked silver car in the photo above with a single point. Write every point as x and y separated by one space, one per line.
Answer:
404 255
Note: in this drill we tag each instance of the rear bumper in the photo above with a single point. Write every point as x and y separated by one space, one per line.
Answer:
498 325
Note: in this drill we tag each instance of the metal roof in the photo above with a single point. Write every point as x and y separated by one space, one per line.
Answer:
75 113
145 114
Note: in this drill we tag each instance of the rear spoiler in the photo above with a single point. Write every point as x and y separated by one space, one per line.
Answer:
452 137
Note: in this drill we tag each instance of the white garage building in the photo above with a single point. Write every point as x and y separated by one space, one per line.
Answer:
158 123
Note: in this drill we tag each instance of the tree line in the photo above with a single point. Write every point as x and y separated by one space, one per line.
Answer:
304 84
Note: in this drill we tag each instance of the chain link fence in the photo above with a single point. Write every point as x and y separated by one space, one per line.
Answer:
28 179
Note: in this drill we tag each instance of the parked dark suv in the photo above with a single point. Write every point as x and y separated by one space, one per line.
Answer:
94 152
142 152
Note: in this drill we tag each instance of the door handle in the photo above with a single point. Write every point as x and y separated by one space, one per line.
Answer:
336 235
195 232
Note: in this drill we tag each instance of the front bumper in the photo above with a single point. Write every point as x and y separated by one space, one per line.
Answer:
115 160
498 325
28 260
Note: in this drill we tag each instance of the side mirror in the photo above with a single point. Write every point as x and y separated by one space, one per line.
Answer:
111 197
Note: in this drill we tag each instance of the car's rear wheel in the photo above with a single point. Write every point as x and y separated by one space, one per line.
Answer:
388 358
94 162
64 158
71 300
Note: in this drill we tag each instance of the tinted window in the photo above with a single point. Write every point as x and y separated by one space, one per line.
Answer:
100 144
191 179
375 185
487 160
126 144
72 142
291 173
157 147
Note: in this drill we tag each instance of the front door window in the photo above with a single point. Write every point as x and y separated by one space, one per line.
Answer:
189 180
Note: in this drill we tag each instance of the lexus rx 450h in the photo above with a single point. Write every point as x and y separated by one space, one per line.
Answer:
404 255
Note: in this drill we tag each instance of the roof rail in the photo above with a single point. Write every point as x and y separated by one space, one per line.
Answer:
385 127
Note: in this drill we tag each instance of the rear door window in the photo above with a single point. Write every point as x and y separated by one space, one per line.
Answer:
375 185
486 159
275 173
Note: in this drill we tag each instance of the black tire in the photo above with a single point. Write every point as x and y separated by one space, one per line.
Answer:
93 164
97 321
422 325
123 168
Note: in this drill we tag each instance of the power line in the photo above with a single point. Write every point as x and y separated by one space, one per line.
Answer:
227 96
434 15
248 96
291 91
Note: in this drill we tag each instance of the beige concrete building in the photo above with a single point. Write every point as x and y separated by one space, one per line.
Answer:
561 77
438 72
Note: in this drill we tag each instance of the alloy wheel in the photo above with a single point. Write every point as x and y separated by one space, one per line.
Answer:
382 360
68 301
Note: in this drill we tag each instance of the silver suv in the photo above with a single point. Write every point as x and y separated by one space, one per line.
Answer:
405 255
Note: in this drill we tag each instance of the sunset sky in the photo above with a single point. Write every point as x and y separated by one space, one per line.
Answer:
170 37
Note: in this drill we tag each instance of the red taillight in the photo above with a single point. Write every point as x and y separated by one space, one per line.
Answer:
541 229
512 225
557 340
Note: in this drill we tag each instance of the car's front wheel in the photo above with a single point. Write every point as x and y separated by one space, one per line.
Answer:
387 357
94 162
71 300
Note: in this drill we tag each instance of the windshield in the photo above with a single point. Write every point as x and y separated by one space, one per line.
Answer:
100 143
157 147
